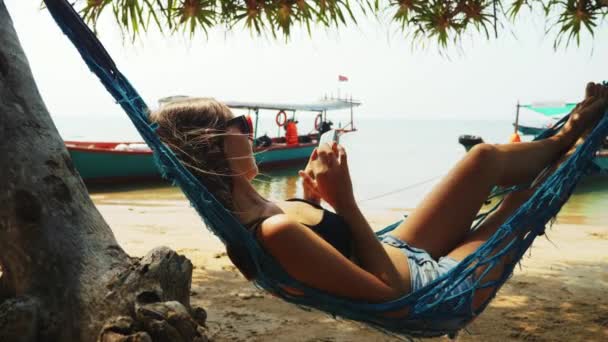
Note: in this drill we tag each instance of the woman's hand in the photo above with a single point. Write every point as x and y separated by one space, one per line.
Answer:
311 193
331 177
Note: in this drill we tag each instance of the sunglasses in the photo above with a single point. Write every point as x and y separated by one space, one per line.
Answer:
241 123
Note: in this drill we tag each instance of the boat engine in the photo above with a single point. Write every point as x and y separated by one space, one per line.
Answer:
263 141
468 141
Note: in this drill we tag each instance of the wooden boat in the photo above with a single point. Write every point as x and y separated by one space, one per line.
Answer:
102 162
554 112
601 160
548 113
531 130
601 157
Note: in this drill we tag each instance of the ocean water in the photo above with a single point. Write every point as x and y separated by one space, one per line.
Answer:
393 162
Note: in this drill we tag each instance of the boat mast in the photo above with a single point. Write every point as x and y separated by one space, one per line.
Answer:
517 117
352 123
257 116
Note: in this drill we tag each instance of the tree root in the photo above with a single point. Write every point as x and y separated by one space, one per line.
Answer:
162 321
162 275
20 319
149 301
157 288
3 287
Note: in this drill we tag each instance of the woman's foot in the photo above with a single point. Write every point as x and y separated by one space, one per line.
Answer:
586 114
601 92
591 120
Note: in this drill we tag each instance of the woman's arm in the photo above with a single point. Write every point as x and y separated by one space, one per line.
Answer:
333 183
311 260
369 252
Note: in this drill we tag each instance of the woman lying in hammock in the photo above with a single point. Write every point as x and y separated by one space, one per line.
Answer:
338 252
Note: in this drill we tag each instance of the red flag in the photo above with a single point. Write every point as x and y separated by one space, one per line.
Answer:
342 78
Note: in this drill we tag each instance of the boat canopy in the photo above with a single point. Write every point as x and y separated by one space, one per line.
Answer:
551 109
317 106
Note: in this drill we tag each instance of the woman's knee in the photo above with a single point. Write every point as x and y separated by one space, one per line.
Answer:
484 155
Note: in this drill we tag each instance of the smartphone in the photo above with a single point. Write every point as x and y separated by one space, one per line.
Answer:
329 137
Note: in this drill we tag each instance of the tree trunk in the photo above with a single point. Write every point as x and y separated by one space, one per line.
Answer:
63 275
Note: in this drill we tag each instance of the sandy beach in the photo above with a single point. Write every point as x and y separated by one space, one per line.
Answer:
559 293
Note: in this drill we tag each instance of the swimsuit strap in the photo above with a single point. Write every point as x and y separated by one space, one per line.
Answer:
316 205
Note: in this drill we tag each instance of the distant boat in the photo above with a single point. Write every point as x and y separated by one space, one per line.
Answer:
553 111
106 162
550 113
601 157
601 160
532 130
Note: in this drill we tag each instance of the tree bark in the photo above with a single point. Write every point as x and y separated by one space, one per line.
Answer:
63 275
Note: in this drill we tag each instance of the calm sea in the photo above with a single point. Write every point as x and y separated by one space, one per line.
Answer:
393 162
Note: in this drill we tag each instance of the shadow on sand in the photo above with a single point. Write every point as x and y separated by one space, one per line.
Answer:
570 304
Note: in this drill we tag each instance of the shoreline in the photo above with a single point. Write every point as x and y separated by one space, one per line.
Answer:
560 292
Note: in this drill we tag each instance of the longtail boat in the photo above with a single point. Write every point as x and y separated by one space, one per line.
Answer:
545 113
119 161
552 112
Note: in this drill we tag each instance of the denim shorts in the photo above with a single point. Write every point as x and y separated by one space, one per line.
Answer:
424 270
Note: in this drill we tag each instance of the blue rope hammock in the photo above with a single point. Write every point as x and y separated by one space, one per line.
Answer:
431 311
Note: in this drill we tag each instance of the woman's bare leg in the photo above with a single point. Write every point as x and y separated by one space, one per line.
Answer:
490 225
444 217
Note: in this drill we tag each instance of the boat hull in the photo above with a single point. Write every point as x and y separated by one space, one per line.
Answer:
284 156
529 130
601 160
102 163
101 166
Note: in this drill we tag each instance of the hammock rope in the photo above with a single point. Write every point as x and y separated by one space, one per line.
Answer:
430 311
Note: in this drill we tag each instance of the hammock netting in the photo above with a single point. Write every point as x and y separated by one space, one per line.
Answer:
431 311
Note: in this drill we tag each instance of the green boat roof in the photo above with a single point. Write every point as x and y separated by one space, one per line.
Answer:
551 108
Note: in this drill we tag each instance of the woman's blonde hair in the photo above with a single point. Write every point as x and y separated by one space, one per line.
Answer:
194 129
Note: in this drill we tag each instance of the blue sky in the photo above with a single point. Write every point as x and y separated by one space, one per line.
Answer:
480 79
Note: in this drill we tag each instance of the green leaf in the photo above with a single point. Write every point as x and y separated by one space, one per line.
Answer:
440 21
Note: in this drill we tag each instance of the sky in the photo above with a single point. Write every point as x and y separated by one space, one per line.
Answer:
480 79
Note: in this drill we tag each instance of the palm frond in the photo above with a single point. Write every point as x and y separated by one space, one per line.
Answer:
444 21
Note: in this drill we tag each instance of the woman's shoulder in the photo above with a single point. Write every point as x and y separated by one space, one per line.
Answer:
278 221
276 226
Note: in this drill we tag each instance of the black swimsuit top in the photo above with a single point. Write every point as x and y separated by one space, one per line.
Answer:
332 228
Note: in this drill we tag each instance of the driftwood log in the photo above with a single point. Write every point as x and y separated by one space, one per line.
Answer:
63 275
